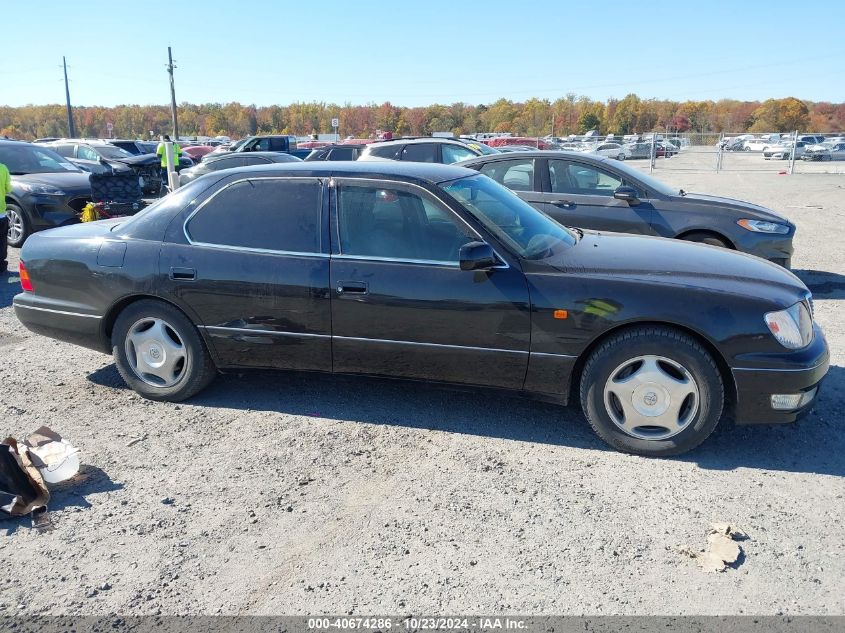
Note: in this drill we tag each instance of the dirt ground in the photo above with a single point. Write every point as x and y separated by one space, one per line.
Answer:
292 494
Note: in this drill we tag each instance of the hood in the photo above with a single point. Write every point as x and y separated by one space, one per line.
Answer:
755 211
71 181
138 160
638 258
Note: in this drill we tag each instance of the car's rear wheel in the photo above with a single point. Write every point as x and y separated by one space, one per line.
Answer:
159 352
620 157
652 391
706 238
19 228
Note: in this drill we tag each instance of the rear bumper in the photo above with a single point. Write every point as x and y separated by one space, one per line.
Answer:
756 385
62 324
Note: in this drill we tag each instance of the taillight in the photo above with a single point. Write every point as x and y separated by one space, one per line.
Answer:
26 282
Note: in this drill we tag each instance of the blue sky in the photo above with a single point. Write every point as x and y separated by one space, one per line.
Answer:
421 51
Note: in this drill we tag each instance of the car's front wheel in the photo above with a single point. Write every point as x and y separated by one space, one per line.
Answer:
706 238
19 228
652 391
620 157
159 352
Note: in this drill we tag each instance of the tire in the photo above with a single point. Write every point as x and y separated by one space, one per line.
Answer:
706 238
663 362
620 157
19 226
148 331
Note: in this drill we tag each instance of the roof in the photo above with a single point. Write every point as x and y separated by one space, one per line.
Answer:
213 157
489 158
419 139
431 172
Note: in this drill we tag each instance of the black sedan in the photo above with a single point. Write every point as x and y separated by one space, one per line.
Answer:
231 160
591 192
435 273
47 190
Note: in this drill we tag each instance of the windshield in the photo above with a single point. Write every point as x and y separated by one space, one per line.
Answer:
529 233
648 181
109 151
26 159
478 146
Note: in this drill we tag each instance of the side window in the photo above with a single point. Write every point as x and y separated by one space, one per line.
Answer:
341 153
63 150
86 153
517 175
420 153
265 213
277 144
226 163
255 160
454 153
386 151
568 177
396 224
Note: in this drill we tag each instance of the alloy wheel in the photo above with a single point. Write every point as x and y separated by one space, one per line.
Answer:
15 219
651 397
156 352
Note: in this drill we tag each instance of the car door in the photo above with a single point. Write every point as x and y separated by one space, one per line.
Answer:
520 176
250 263
838 151
581 194
402 306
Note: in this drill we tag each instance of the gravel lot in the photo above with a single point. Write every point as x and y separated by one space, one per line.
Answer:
292 494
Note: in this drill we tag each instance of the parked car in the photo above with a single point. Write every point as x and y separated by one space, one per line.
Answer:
784 150
97 156
518 140
197 152
337 151
515 148
284 143
663 149
231 161
811 139
47 190
421 150
134 147
595 193
756 145
638 150
434 273
609 150
826 151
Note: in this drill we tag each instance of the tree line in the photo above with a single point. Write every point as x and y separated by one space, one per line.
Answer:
535 117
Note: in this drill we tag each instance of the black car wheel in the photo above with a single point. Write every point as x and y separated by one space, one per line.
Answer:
652 391
19 228
160 353
706 238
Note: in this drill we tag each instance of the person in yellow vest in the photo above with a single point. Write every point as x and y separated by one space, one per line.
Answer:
160 151
5 188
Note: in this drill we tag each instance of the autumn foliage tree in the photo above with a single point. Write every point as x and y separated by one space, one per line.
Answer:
535 117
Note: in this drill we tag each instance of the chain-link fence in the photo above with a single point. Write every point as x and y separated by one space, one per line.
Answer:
773 152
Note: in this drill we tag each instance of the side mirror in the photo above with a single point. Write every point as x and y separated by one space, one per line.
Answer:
628 194
477 256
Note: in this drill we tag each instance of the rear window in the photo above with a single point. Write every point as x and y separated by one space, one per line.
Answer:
268 214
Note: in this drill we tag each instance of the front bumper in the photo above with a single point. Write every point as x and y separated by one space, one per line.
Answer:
792 372
47 211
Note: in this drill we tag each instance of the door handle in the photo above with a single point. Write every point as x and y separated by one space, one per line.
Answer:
183 274
563 203
352 287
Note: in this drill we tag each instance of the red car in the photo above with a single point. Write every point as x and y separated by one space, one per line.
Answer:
196 152
518 140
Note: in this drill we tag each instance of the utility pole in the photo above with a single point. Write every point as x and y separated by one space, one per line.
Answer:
170 68
71 130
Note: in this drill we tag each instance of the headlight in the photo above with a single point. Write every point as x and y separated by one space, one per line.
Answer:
761 226
48 189
793 327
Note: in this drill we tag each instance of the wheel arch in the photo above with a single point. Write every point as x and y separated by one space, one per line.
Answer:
708 233
119 306
716 355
